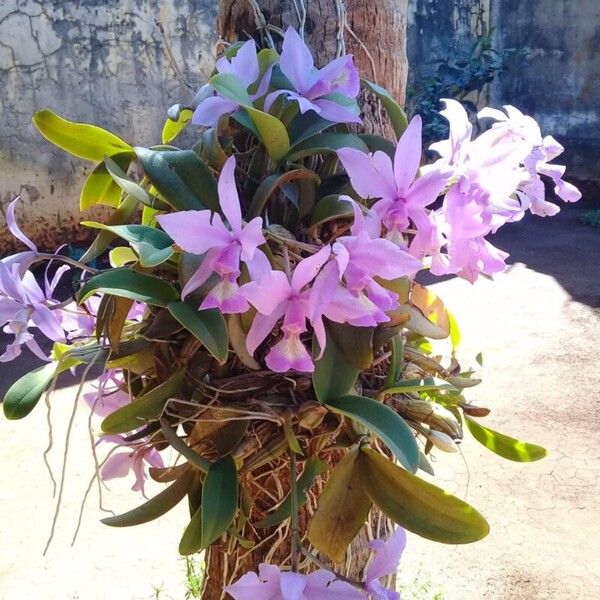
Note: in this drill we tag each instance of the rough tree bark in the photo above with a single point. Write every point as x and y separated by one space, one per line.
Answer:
376 34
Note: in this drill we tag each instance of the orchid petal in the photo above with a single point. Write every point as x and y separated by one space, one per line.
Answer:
408 155
228 196
267 294
289 353
47 322
364 177
292 585
13 227
196 231
334 112
210 110
250 238
306 270
296 61
261 327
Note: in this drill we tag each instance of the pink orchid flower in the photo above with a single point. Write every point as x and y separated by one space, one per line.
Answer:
274 296
23 304
109 394
359 258
330 91
203 232
273 584
385 562
403 197
129 457
245 67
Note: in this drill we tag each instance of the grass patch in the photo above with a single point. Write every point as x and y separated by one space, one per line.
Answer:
194 576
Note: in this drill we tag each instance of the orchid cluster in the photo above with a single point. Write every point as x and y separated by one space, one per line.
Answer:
256 310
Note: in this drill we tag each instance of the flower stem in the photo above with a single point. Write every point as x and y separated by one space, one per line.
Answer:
67 260
294 512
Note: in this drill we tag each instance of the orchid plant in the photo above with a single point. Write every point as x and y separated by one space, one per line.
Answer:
257 310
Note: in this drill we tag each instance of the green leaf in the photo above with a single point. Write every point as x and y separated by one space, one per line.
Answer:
147 407
130 284
172 128
181 177
394 110
454 331
100 188
271 183
504 445
24 394
153 245
155 507
80 139
333 375
409 386
272 132
417 505
122 215
125 183
304 126
180 446
229 86
330 208
313 468
326 143
383 421
396 360
376 142
355 344
342 510
207 325
219 503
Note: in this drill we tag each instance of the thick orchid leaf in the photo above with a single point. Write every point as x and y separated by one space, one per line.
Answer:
25 393
181 177
79 139
191 541
326 143
356 344
237 339
504 445
219 500
394 110
410 386
178 444
271 131
383 421
153 245
454 331
100 188
111 317
122 215
119 176
396 360
270 184
211 150
122 256
342 510
333 376
173 127
100 353
206 325
376 142
229 86
417 505
147 407
304 126
155 507
313 468
127 283
425 465
330 208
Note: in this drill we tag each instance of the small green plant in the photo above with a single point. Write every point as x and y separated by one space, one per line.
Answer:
421 587
456 76
194 576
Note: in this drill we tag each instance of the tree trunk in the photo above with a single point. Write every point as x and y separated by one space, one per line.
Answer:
375 33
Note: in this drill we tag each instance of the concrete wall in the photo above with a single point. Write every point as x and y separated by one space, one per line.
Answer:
103 61
99 61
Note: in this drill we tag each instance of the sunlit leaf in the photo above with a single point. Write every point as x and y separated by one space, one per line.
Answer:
409 386
100 188
342 510
383 421
504 445
172 128
80 139
25 393
417 505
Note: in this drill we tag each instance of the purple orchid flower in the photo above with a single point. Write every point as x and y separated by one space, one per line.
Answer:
385 562
330 91
274 296
23 304
402 197
203 232
359 258
273 584
129 457
109 394
245 67
516 127
24 259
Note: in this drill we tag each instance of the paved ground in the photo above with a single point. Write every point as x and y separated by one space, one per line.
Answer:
537 326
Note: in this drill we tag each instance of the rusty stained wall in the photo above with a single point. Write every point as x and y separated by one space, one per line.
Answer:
99 61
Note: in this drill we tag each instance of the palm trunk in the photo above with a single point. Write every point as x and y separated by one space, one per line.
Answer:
376 34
